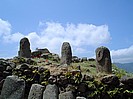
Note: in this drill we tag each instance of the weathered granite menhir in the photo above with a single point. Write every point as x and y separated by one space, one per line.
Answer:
24 50
13 88
66 95
103 60
51 92
66 54
36 91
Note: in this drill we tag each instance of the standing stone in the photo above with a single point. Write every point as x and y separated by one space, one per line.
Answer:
36 91
51 92
103 60
66 54
66 95
24 50
13 88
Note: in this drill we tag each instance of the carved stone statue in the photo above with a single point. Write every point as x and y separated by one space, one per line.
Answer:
66 54
103 60
24 50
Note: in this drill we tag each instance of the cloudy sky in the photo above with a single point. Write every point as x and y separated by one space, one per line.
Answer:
85 24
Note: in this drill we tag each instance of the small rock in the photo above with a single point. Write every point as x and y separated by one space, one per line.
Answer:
87 78
111 80
70 88
52 79
41 69
24 66
84 59
127 81
8 68
82 87
80 98
62 80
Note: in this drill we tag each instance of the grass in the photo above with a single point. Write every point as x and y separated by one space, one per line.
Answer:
87 67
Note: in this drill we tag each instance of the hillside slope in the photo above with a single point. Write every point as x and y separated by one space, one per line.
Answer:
126 66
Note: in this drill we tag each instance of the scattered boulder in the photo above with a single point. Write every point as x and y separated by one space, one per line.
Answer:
56 57
62 80
92 65
6 68
45 50
45 55
36 54
110 80
3 65
66 95
36 91
70 87
75 59
51 92
103 60
30 61
52 79
13 88
91 59
24 66
66 54
10 65
40 53
87 77
127 81
1 84
82 87
41 69
1 72
24 50
83 59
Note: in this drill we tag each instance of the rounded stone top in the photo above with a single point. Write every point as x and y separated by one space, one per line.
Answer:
102 48
66 43
25 39
102 52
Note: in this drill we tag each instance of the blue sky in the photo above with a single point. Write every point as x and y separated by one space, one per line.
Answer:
86 24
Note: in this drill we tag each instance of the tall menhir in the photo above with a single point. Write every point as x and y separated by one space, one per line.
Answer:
103 60
24 50
66 54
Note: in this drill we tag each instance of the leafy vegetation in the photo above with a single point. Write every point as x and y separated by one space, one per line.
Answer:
96 89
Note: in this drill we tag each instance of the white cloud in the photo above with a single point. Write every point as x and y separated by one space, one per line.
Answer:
13 37
123 55
5 27
5 32
79 35
53 34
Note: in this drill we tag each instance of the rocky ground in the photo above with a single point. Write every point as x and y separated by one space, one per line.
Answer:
37 78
